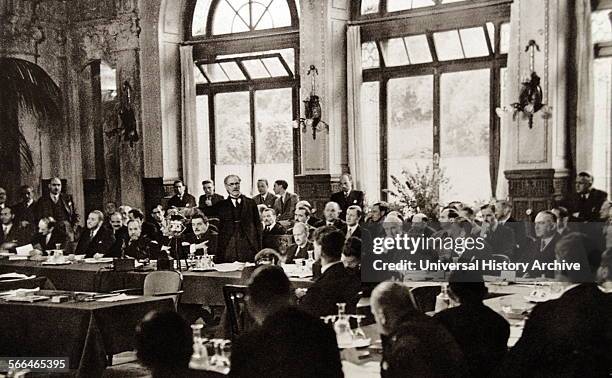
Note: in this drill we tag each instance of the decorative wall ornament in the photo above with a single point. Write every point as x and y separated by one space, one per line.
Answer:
531 96
312 109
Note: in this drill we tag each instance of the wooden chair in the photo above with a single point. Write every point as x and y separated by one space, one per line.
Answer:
425 297
236 310
160 283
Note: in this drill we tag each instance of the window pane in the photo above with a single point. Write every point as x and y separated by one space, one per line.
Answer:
370 120
199 78
277 15
464 135
410 123
203 134
287 54
214 72
601 30
398 5
448 45
275 67
418 49
505 38
474 42
232 129
227 20
255 68
369 55
394 52
200 13
602 114
369 6
274 135
232 70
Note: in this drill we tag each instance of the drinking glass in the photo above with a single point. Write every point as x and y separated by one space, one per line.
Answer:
358 332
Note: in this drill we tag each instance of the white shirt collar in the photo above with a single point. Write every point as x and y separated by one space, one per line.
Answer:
55 197
271 226
327 266
7 227
95 231
547 240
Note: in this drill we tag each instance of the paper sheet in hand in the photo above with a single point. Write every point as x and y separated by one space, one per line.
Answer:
24 250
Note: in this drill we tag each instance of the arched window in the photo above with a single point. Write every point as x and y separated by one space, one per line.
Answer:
433 74
246 55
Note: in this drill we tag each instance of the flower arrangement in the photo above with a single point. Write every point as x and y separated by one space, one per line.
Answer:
418 191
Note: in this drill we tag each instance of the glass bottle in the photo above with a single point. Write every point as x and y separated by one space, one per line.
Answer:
342 326
442 299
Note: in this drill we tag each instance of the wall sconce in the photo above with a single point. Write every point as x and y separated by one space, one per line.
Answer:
312 109
530 98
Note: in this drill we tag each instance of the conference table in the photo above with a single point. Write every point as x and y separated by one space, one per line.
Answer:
86 332
198 287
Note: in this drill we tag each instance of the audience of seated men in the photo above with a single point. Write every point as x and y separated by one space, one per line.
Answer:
95 240
542 248
347 196
336 284
48 236
11 234
264 196
204 239
299 250
482 334
181 198
139 246
287 341
285 203
120 233
208 200
414 344
500 238
570 336
332 216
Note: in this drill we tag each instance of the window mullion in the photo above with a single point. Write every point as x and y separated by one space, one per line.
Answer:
436 112
252 122
212 133
384 153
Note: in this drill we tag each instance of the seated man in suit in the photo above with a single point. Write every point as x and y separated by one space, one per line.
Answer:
120 232
570 336
309 214
159 222
95 241
414 344
499 237
270 229
287 342
284 205
208 200
264 196
204 238
584 205
332 216
48 236
180 198
148 229
562 220
336 284
139 246
503 213
376 218
353 220
347 196
302 215
300 249
11 234
542 248
482 334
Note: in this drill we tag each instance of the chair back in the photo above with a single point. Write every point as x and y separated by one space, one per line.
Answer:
425 297
162 282
236 310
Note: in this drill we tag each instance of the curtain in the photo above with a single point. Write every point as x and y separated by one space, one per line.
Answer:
193 172
584 86
356 147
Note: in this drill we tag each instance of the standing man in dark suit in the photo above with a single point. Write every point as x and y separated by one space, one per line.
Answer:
584 205
95 240
209 199
11 234
570 336
59 206
300 249
347 196
287 342
239 224
180 198
264 197
542 248
336 284
24 210
285 203
48 236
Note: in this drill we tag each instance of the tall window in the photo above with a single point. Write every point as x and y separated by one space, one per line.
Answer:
246 66
438 68
601 28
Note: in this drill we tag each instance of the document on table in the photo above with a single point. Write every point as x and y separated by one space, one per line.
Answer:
16 276
117 298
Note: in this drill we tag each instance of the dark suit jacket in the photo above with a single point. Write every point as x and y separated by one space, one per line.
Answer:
339 224
355 197
588 210
547 255
101 243
269 200
289 343
293 252
335 285
210 236
142 248
482 335
247 224
267 237
16 234
121 236
63 211
567 337
286 208
23 212
501 241
210 211
315 222
39 241
187 201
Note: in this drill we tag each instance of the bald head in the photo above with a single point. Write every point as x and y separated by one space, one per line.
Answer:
331 211
390 302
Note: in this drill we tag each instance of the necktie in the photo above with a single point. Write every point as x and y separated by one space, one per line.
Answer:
91 234
263 199
543 245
